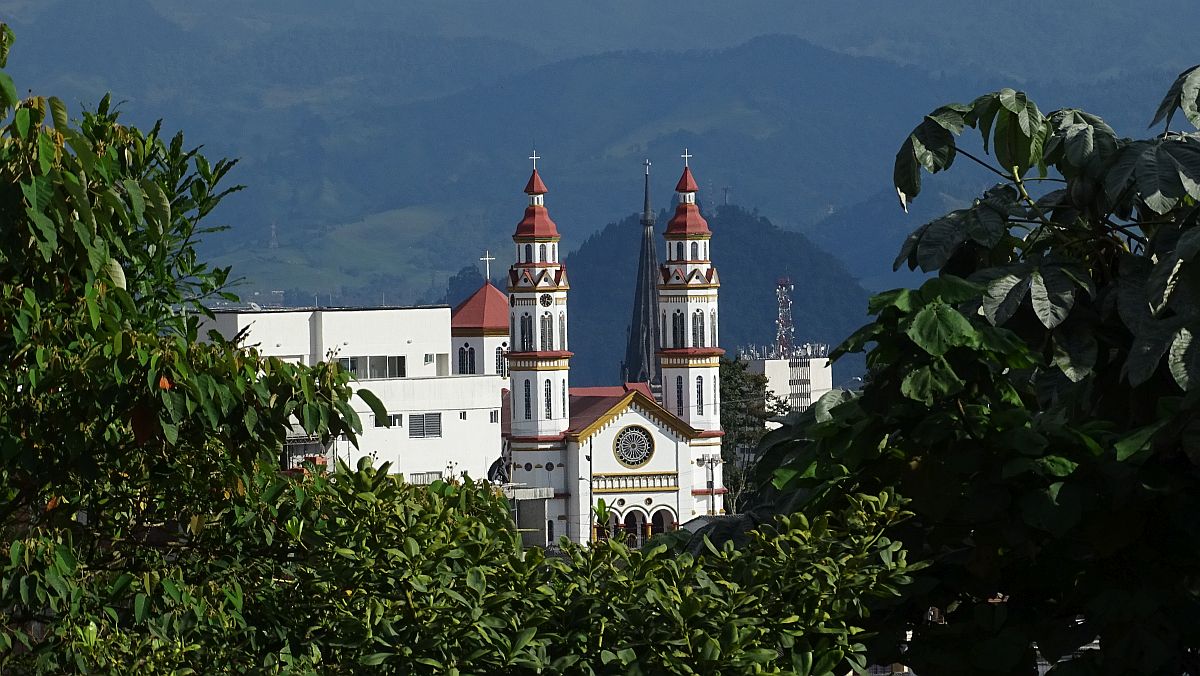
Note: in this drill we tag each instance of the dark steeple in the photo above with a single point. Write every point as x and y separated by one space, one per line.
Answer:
641 360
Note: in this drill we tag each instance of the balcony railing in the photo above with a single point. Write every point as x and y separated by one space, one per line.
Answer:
612 483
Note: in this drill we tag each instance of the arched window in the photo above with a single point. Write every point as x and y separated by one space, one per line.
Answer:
542 253
677 329
699 395
501 363
553 252
462 360
528 401
706 251
471 360
526 333
562 330
512 327
663 326
528 253
547 327
564 398
549 400
679 396
698 329
679 251
695 251
716 394
712 327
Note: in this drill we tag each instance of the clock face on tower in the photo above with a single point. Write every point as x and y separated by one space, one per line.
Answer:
633 446
546 300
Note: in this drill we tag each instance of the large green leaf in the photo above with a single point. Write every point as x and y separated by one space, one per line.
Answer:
1005 293
1184 359
1052 294
1075 350
1184 93
937 327
940 240
930 145
1158 181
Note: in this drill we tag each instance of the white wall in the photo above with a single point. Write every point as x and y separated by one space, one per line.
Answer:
469 445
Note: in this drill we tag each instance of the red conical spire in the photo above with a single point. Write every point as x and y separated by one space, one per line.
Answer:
535 185
687 219
537 222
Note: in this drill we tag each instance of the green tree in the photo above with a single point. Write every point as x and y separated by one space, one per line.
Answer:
146 527
746 407
1037 400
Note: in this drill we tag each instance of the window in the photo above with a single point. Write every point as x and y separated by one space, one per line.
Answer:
679 251
350 365
564 398
528 402
562 330
494 416
698 329
547 326
462 415
528 253
550 531
396 367
377 367
501 362
712 326
424 425
677 328
428 358
695 251
549 400
699 395
462 360
706 251
663 342
541 253
470 360
679 396
716 393
526 333
392 420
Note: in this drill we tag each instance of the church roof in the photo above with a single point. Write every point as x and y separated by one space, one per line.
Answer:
687 219
536 223
640 362
687 183
592 406
535 186
487 308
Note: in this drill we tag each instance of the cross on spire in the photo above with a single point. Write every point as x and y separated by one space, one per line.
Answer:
535 157
686 156
487 262
646 162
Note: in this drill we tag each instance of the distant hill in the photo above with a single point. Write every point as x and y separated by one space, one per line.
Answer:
750 254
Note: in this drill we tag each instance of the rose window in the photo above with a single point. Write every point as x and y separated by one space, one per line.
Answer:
633 446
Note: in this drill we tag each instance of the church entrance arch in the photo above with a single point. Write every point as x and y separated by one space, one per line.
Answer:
662 521
635 527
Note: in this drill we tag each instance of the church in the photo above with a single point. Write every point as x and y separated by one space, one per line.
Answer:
649 447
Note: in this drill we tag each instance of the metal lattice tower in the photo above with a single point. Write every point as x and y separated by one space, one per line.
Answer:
785 332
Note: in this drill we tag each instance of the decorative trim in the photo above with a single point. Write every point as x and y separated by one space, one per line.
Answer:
536 440
647 489
651 408
478 333
604 475
705 491
709 434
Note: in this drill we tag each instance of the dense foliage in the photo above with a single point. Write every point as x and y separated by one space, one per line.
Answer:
746 407
146 527
1037 400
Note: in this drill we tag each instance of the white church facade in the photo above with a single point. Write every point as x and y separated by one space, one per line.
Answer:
484 389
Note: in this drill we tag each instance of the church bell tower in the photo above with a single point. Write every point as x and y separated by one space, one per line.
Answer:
538 358
687 298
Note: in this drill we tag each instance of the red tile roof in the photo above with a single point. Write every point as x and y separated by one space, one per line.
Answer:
535 185
589 403
687 221
686 182
536 223
487 308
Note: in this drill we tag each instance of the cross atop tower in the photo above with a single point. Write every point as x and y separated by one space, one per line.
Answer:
535 157
646 162
686 156
487 264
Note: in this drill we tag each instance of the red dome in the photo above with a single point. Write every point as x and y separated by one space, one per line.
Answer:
686 182
486 309
535 185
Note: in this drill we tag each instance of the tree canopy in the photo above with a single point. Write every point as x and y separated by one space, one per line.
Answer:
1036 400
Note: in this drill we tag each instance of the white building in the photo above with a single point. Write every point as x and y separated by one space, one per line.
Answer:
440 424
799 380
655 466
